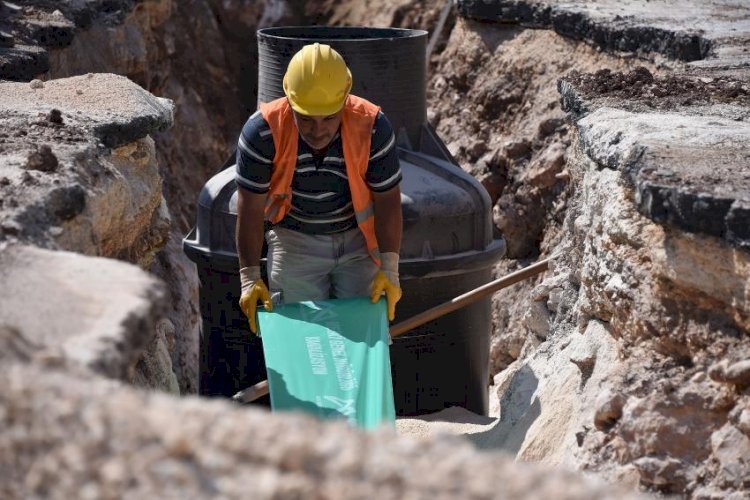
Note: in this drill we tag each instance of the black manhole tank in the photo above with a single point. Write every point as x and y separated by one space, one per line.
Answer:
447 249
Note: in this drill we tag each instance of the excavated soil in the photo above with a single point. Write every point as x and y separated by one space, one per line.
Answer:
661 93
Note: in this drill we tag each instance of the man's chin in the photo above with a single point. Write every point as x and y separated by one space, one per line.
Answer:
317 144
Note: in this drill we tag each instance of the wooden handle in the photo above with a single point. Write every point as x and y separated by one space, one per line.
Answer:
261 388
252 393
468 298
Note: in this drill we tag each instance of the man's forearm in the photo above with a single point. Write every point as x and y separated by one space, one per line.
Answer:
249 229
388 220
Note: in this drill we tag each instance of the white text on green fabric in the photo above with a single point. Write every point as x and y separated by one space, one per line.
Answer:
344 373
317 358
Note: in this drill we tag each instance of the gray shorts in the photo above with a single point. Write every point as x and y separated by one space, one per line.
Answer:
317 267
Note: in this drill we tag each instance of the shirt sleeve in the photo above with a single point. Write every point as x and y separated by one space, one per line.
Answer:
255 152
383 170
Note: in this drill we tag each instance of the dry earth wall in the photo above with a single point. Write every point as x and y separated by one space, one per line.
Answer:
630 353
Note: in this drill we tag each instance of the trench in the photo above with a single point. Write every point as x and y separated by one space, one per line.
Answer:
492 97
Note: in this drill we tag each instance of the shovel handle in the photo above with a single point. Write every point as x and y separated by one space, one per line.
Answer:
469 297
261 388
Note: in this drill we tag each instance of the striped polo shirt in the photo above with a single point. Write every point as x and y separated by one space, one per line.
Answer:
321 200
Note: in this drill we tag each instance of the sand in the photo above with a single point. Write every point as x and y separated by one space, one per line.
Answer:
483 432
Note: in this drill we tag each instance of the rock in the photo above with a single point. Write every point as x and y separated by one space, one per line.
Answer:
542 173
617 27
43 160
6 39
549 126
555 298
200 448
671 422
739 373
521 224
118 110
36 84
154 369
55 116
741 418
676 181
104 329
22 62
14 346
608 410
537 319
732 449
475 149
736 373
517 149
67 202
666 474
12 228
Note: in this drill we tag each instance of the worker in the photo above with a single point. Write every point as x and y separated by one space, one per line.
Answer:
320 167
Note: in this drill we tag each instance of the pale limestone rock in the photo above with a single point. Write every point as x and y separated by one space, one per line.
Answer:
100 313
732 450
181 279
154 370
546 399
661 472
104 202
125 216
608 409
537 319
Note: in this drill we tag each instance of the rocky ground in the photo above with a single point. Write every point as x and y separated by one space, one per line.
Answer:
610 134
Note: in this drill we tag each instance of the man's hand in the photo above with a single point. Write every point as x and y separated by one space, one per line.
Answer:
253 290
386 281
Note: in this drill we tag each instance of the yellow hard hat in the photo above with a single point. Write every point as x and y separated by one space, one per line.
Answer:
317 81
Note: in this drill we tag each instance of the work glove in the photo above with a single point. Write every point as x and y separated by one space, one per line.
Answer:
386 282
253 290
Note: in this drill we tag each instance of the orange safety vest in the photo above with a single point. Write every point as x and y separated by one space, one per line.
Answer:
356 134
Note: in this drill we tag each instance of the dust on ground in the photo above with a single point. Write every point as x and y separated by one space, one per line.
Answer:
483 432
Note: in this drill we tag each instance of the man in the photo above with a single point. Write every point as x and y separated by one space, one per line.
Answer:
321 166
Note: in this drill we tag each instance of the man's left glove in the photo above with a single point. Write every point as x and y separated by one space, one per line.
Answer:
386 281
253 290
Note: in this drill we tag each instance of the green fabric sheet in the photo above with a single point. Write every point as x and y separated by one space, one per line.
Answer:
330 358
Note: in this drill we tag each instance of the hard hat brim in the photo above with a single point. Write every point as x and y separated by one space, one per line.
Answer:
317 110
314 109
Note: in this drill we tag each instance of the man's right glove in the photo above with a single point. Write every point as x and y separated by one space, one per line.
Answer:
253 290
386 281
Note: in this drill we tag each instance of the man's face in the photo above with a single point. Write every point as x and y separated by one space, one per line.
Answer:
317 131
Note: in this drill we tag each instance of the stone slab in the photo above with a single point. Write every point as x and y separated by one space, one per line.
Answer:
687 30
100 313
114 108
688 163
55 161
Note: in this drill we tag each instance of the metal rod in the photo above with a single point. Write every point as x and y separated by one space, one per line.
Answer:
261 389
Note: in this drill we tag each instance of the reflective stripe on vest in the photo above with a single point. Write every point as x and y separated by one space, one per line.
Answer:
357 123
